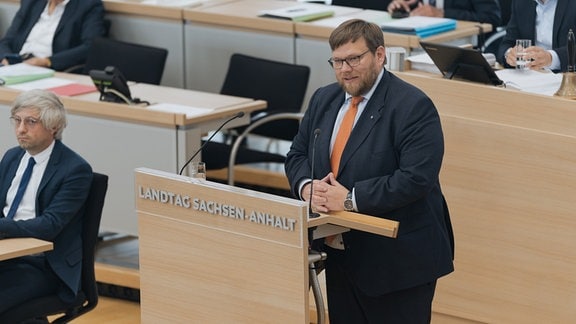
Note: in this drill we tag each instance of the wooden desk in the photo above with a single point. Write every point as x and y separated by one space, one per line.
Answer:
509 176
150 25
312 46
115 139
17 247
213 34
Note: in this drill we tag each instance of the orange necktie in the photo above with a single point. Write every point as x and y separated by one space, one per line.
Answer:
344 134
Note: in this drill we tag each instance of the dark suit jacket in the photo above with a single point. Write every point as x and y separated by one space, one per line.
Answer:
392 160
59 209
82 21
522 25
484 11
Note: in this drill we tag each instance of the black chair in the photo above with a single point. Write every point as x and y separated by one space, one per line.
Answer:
88 297
139 63
492 43
282 85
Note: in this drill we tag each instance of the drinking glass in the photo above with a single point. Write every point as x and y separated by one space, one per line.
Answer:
198 170
521 60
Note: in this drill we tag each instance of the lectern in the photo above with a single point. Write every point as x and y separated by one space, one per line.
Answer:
213 253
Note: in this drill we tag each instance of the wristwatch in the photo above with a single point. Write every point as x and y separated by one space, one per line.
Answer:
348 204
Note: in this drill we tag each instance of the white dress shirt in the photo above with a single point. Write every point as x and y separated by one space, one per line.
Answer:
39 41
545 10
27 208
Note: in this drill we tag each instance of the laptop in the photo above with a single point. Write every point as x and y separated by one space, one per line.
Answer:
461 63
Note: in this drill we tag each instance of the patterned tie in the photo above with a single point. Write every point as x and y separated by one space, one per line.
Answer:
344 133
21 188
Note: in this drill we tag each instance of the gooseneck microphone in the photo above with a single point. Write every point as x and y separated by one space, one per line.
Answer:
238 115
312 214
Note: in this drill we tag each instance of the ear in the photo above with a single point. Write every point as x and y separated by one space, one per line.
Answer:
381 55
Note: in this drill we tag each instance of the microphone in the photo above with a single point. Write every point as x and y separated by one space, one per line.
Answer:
312 214
238 115
571 52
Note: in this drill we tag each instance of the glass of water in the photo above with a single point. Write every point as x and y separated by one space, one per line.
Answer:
198 170
521 59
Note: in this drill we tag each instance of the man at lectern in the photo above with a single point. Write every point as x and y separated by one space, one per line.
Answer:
43 186
379 146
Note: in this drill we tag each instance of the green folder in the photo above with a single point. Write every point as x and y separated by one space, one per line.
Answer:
22 72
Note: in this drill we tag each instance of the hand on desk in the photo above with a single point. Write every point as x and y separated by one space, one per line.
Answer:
538 57
38 61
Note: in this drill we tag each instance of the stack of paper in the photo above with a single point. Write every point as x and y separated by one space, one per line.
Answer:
302 12
419 25
189 111
173 3
22 72
423 62
540 82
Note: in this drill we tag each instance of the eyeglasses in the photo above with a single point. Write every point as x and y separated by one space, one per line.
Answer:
351 61
29 122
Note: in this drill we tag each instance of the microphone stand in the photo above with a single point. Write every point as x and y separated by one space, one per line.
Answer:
238 115
314 256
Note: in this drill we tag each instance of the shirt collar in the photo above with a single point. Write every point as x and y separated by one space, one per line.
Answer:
42 156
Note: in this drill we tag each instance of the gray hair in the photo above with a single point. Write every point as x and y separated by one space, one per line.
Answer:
51 109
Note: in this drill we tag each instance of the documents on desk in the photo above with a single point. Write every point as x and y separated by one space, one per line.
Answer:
301 12
544 82
189 111
423 62
22 72
60 86
419 25
375 16
173 3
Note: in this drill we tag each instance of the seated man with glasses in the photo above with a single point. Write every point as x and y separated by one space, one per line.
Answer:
379 152
43 186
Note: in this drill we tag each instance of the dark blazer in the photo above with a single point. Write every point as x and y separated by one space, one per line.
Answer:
484 11
522 25
82 21
392 160
59 209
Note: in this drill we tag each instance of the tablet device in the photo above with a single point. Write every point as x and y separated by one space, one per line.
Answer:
461 63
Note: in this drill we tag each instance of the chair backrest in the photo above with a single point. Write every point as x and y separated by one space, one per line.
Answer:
493 42
505 11
139 63
282 85
90 230
88 297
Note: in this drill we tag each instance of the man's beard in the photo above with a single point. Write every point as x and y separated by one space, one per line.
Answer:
364 86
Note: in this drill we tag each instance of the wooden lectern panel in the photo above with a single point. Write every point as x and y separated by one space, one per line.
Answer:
211 253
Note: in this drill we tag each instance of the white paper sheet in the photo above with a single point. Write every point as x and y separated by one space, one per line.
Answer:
545 82
189 111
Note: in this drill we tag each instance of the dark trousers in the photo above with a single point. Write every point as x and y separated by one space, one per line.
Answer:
24 278
347 304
